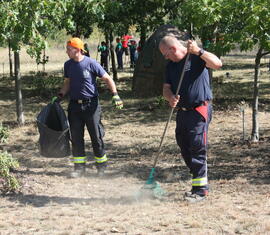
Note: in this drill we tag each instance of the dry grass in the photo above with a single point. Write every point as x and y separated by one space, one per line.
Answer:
50 203
57 56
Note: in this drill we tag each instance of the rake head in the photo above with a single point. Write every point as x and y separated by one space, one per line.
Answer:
151 188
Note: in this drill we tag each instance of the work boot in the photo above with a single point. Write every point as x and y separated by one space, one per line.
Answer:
188 194
194 197
101 169
77 172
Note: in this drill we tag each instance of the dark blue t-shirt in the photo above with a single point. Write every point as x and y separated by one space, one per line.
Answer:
195 86
82 77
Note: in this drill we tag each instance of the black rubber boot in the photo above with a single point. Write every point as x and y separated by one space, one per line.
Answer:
101 167
79 170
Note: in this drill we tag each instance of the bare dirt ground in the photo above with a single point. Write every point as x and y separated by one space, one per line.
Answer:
51 203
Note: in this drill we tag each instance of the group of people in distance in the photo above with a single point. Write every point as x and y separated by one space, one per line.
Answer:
125 46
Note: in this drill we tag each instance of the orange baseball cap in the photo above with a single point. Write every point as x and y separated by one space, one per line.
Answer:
77 43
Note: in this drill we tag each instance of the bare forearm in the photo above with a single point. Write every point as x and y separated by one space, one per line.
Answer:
167 93
211 60
169 96
110 83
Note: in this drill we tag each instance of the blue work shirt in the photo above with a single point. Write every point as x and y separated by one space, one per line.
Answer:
195 87
82 77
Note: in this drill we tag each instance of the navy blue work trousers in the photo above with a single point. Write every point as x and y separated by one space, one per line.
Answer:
104 62
132 56
191 135
119 55
86 114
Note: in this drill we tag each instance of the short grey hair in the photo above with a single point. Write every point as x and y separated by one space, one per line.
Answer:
171 39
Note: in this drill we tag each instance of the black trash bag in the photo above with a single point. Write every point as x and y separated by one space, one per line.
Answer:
53 130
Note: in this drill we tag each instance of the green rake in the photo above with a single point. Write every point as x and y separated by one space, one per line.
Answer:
152 187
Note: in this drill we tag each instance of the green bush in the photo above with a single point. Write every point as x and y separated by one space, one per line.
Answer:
4 133
160 101
8 182
43 85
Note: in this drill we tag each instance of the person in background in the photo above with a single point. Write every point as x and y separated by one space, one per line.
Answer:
86 50
104 54
81 74
139 47
119 53
132 49
193 103
125 39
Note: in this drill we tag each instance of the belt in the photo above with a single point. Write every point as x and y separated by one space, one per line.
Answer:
203 103
82 101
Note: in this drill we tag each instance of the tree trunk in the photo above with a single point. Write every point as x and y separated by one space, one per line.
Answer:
150 69
255 123
114 70
142 36
19 104
44 61
141 44
10 60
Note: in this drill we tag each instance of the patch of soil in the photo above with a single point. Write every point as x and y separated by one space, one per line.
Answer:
50 202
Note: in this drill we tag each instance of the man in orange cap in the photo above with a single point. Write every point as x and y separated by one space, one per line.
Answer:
80 74
76 42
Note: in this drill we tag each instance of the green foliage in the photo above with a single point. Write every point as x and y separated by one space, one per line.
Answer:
257 25
43 85
36 52
117 16
147 15
222 24
160 101
4 134
8 182
30 22
204 18
107 16
82 16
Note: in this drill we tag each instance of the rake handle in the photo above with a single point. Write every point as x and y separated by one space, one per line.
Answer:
170 116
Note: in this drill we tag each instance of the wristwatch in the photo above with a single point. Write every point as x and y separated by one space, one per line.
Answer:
201 51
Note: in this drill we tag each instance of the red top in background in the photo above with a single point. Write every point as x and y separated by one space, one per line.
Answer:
125 39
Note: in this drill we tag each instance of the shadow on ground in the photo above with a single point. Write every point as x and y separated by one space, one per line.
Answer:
44 200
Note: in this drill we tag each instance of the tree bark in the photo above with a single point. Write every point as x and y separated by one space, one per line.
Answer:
19 104
142 36
44 61
141 44
114 70
255 124
10 60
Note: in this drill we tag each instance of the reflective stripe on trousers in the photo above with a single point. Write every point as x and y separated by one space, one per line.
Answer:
77 160
199 181
101 159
